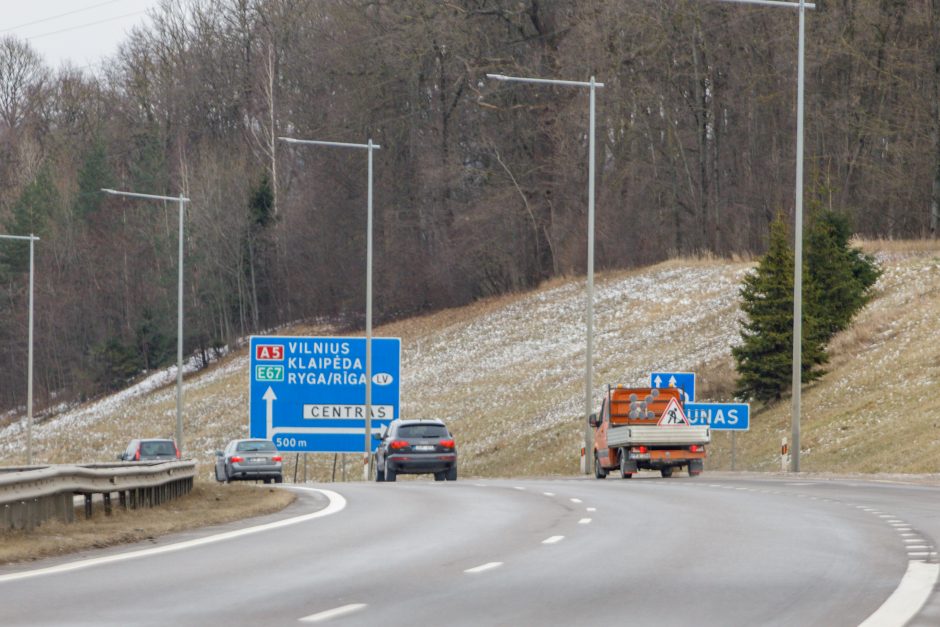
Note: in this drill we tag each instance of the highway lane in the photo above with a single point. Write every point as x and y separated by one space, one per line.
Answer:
716 550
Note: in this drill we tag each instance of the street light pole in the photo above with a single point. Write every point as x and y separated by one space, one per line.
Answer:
589 306
29 359
179 303
797 366
368 417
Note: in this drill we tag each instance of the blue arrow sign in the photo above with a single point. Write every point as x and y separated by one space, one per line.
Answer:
307 394
685 381
720 416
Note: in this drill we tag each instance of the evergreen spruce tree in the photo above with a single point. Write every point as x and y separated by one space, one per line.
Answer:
94 174
841 277
30 215
764 359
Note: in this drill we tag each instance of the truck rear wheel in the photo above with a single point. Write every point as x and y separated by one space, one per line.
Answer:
626 468
599 472
666 472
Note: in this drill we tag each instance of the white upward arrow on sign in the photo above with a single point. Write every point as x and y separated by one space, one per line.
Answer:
658 381
269 398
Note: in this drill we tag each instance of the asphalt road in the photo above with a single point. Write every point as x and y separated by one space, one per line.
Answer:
719 550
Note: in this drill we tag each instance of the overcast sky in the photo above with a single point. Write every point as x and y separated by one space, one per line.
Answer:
80 31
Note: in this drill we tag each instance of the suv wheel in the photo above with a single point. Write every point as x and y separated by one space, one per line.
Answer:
379 473
390 473
451 475
439 476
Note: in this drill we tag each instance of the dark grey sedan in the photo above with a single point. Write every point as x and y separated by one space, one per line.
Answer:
416 447
248 460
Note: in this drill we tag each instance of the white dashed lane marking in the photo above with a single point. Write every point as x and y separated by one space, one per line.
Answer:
336 612
553 540
483 567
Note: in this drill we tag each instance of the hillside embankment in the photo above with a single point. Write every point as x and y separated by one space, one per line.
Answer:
507 374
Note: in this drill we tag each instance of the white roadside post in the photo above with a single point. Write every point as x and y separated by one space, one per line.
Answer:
797 366
589 314
32 239
179 303
367 454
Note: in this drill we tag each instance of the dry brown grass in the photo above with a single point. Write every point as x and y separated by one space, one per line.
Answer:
207 504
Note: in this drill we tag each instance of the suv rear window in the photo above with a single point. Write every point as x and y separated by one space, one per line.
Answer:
422 431
159 447
260 445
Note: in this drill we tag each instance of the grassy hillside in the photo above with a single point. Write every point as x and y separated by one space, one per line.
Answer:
507 374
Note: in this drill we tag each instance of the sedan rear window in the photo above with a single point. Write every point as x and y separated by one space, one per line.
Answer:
422 431
260 445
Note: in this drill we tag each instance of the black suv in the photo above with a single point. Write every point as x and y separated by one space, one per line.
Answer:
416 447
150 450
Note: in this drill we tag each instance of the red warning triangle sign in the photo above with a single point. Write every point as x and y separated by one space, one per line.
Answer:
673 415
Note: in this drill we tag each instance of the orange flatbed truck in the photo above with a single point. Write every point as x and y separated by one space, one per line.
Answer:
639 428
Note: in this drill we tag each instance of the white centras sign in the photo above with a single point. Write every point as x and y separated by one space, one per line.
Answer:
319 412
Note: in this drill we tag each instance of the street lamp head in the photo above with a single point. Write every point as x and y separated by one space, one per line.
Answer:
498 77
107 190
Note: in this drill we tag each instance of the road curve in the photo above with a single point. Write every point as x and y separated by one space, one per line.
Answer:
719 550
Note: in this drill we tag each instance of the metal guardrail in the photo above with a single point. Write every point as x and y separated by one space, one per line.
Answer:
31 494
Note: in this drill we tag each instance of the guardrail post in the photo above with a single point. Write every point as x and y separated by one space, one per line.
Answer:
88 505
122 499
107 503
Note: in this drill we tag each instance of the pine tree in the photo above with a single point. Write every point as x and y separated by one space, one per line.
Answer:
841 277
30 216
95 174
764 359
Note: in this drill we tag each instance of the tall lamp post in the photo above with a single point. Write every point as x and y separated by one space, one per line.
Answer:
369 147
797 371
32 239
589 315
179 302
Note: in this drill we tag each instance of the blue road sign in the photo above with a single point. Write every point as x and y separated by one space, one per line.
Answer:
685 381
720 416
308 394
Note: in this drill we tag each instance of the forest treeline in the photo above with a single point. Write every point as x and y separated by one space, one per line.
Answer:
480 187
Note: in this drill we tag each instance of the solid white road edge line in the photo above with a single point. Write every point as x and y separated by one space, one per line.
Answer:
908 597
336 612
483 567
337 503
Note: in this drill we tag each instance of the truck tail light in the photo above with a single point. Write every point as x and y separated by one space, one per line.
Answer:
398 444
447 443
235 459
640 449
276 458
695 448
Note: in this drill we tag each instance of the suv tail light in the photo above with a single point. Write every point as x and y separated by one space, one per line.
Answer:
276 458
447 443
236 459
398 444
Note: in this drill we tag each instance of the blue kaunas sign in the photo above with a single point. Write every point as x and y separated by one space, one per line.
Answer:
308 394
720 416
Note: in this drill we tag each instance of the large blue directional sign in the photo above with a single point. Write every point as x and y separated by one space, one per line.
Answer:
720 416
685 381
308 394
